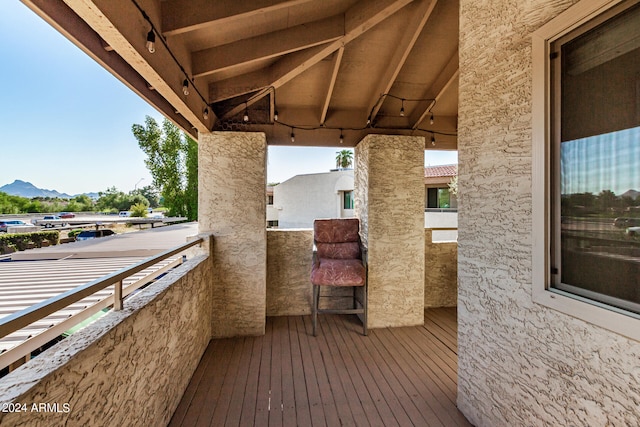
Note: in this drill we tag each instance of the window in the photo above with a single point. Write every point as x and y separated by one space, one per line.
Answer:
587 123
270 200
438 198
347 200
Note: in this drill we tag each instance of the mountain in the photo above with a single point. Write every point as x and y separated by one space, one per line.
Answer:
631 193
27 189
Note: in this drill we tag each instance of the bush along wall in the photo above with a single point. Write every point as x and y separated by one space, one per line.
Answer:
19 242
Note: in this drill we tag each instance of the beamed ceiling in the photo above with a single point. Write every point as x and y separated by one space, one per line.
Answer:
327 67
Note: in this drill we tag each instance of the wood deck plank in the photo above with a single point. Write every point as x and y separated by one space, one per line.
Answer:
392 377
263 401
301 400
248 413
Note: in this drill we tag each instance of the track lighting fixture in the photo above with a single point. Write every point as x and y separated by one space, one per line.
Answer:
431 119
341 137
185 87
205 113
402 109
151 41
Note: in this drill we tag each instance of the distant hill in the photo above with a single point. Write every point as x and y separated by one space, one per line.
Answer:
27 189
631 193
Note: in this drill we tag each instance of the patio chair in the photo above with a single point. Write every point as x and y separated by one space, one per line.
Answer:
339 260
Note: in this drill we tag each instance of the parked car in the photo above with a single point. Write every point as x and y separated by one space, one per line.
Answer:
633 231
94 234
44 221
623 222
66 215
4 225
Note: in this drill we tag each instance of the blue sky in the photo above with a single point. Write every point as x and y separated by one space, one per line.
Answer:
604 162
66 121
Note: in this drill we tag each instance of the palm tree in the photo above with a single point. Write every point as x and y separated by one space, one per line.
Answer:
344 159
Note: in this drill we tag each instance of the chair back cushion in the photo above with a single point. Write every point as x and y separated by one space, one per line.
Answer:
337 238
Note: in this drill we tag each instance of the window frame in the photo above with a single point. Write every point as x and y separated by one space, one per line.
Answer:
617 320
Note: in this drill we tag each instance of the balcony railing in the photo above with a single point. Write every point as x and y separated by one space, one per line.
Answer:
14 323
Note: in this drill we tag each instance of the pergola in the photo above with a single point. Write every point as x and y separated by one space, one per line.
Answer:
316 69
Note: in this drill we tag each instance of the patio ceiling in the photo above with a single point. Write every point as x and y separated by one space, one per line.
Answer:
325 67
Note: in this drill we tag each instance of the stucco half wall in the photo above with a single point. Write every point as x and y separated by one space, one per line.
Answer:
130 368
289 254
519 363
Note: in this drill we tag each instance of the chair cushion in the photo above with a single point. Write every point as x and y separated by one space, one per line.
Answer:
336 230
338 250
338 272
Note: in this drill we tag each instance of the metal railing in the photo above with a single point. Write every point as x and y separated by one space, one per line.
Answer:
37 312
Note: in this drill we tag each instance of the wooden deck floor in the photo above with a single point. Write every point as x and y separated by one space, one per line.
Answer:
393 377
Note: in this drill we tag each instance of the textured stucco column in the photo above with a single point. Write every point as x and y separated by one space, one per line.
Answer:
232 206
389 200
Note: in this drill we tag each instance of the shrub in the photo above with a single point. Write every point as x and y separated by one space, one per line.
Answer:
24 241
74 233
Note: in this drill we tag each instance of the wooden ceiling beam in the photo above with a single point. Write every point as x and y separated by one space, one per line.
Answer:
420 12
337 60
358 19
181 16
120 24
267 46
239 85
446 77
63 19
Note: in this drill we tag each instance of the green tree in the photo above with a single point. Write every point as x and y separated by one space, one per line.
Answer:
607 199
114 200
172 161
139 210
344 159
151 194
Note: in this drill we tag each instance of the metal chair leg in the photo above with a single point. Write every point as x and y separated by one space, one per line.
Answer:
314 309
365 297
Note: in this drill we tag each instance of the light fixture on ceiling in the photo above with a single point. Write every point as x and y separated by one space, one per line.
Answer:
431 119
293 136
433 140
205 113
185 87
151 41
275 115
341 137
402 109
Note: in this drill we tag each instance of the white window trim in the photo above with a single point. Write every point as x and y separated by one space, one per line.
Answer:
618 321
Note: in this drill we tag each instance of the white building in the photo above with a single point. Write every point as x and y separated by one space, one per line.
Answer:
303 198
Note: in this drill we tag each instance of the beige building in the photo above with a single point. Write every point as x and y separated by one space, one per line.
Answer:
535 95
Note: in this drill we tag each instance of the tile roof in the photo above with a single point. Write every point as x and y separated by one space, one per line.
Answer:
438 171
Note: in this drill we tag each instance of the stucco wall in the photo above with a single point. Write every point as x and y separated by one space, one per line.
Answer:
389 200
232 206
289 254
519 363
130 368
440 272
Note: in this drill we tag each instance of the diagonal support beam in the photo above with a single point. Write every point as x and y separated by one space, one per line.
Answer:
420 13
267 46
181 16
361 17
447 76
112 21
337 60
